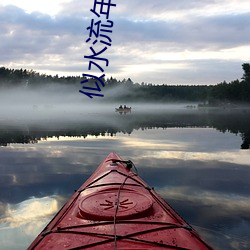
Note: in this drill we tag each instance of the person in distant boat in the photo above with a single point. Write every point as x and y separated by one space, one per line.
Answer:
125 106
120 107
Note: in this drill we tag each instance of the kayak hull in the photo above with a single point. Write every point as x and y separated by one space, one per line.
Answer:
116 209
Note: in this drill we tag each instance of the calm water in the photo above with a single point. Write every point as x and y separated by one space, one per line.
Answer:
193 158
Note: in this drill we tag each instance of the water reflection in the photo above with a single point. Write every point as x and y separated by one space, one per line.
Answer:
195 166
31 210
110 123
20 222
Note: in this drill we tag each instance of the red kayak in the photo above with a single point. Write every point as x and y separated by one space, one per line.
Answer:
116 209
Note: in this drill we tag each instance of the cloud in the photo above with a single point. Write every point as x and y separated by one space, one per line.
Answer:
26 220
201 32
165 39
229 204
28 211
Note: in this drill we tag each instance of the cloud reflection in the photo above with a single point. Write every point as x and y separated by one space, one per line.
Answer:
228 203
222 156
29 212
198 171
22 222
222 213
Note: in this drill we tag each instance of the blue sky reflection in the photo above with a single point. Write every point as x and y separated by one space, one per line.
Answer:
199 171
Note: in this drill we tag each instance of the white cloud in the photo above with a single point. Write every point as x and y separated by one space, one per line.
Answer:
28 212
164 40
45 6
25 220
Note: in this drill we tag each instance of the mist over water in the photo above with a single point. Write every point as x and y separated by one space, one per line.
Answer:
44 102
56 110
53 138
60 102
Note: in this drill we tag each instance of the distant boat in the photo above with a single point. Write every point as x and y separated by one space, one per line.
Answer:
125 110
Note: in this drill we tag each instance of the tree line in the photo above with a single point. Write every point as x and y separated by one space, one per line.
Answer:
236 91
235 122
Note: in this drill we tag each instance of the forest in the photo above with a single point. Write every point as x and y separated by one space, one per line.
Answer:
224 93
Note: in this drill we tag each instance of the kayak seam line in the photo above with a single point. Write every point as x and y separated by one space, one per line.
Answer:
114 170
166 208
128 237
120 222
99 178
44 233
62 230
173 212
110 184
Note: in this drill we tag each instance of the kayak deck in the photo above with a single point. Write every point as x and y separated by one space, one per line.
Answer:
116 209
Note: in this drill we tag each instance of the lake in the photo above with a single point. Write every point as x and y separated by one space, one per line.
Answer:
198 160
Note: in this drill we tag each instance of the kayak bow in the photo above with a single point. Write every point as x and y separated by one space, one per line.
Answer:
116 209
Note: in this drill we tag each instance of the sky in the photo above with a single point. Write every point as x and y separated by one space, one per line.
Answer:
160 42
